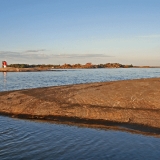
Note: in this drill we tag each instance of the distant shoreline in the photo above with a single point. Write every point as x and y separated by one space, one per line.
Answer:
12 69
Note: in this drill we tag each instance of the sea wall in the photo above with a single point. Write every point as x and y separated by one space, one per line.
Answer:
129 101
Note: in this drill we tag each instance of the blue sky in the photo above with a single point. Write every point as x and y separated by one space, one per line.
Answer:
80 31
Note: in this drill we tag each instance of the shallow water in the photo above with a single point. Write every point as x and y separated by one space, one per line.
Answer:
23 139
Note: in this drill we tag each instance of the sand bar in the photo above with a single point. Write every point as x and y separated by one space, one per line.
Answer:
128 102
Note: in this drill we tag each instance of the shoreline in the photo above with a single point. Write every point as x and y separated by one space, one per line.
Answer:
132 103
91 123
10 69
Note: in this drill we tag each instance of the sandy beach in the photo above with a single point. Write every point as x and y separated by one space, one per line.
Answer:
134 102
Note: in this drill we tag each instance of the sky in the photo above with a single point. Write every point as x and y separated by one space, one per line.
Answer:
80 31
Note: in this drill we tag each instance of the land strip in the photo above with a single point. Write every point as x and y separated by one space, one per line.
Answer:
11 69
62 67
130 102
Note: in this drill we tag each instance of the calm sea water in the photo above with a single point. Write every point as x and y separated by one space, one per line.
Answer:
23 139
22 80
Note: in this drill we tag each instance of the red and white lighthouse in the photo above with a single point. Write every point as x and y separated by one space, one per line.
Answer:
4 64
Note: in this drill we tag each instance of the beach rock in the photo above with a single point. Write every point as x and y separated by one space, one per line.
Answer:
127 101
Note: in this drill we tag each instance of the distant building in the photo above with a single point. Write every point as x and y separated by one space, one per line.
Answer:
4 64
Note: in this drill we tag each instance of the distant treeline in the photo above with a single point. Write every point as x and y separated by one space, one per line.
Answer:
69 66
30 66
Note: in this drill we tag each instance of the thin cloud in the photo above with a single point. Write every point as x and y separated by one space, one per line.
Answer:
81 55
23 55
8 54
36 55
150 36
38 50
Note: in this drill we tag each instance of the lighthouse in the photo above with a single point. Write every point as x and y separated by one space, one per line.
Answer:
4 64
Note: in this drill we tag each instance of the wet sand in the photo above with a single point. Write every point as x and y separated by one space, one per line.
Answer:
129 103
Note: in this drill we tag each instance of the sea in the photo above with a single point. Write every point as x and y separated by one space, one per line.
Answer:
22 139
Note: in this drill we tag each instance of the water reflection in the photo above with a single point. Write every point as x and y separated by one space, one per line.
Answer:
5 80
96 124
21 139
